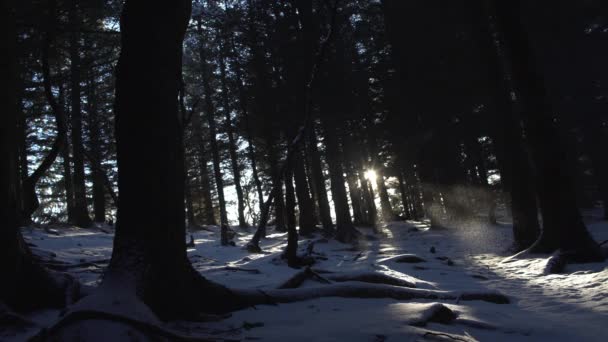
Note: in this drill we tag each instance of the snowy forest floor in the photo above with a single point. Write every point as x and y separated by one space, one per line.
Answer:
572 306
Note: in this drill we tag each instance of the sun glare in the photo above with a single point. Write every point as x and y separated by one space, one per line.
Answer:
370 175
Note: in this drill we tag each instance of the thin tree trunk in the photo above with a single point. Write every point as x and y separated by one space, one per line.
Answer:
30 198
279 202
67 169
208 212
99 194
404 198
305 204
292 233
210 111
249 137
232 149
319 183
81 214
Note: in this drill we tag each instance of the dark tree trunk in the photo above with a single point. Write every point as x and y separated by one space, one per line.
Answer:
404 198
305 205
369 203
385 203
205 184
319 182
355 195
292 234
312 187
25 284
191 219
30 199
81 214
594 142
149 256
67 169
215 152
279 201
234 159
98 177
345 231
563 227
249 136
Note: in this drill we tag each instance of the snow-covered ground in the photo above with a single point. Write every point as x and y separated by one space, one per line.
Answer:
567 307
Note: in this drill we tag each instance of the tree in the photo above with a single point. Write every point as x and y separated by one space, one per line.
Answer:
25 285
81 214
563 227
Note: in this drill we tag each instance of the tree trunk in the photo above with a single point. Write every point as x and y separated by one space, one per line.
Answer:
67 169
215 153
345 231
279 202
319 182
563 227
234 159
207 207
355 195
81 214
30 199
305 205
149 257
98 177
404 198
25 284
292 234
249 137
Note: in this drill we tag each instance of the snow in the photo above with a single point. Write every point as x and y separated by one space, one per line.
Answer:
566 307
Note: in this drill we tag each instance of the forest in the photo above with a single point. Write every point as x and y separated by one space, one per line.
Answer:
327 170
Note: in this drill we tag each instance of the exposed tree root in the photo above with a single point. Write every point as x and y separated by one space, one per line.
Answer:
556 263
445 337
362 290
406 258
297 279
232 268
64 266
365 277
155 330
435 312
371 277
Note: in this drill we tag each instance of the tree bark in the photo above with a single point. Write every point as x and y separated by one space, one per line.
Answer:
319 183
30 198
97 174
404 198
232 149
279 202
305 205
81 214
563 227
149 257
67 169
345 231
292 234
25 284
215 153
